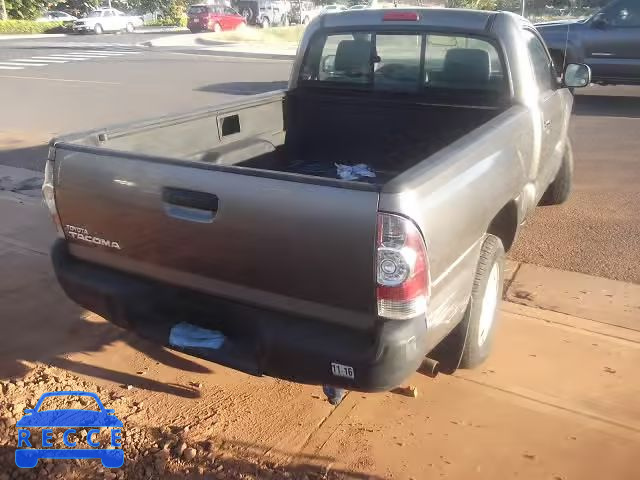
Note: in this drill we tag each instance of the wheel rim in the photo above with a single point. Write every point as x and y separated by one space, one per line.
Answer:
489 305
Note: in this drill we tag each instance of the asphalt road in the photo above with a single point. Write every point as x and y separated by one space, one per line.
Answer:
68 84
596 232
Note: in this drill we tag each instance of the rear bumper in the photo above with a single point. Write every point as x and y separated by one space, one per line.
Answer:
258 341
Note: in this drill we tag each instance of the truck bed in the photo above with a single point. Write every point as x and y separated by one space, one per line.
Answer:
303 134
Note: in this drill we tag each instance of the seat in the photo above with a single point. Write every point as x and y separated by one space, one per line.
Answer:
353 56
468 66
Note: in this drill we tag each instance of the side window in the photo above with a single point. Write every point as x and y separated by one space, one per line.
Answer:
229 11
625 14
541 62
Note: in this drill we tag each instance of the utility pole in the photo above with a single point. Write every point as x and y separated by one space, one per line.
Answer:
524 3
3 10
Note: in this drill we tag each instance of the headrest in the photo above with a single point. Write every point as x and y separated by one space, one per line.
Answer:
353 55
468 65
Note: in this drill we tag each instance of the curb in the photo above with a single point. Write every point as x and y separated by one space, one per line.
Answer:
238 54
598 299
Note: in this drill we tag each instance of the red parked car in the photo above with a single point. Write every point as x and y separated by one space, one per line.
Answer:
214 18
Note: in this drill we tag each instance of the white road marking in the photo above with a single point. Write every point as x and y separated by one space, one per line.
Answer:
126 52
61 57
83 55
10 68
32 59
25 63
49 60
105 54
54 79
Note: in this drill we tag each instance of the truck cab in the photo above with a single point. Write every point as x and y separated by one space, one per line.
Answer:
608 41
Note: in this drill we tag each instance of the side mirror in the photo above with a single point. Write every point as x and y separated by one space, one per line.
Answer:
600 21
577 75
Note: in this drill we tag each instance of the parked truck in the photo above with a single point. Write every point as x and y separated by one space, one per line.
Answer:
608 41
342 232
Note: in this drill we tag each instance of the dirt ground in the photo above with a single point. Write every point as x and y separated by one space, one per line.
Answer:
557 400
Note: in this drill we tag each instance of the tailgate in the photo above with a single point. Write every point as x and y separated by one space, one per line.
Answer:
289 243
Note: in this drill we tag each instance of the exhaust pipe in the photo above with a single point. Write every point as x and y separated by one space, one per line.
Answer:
429 367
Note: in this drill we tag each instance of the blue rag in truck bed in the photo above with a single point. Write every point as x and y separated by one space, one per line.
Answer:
186 335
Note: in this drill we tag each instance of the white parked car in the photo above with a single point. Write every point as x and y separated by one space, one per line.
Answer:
333 9
107 20
359 7
56 16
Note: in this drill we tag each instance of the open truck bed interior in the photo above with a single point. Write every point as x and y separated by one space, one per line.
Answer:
305 134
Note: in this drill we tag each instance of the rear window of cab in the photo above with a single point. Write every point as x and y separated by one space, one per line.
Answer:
404 62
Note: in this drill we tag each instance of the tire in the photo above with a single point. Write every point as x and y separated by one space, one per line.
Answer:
559 190
462 348
217 28
194 30
482 311
97 29
130 28
265 22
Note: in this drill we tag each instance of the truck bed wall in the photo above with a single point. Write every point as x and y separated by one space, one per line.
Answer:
389 136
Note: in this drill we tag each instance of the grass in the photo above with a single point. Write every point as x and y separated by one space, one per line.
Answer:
264 35
28 26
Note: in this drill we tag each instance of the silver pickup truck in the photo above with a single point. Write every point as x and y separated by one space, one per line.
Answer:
342 232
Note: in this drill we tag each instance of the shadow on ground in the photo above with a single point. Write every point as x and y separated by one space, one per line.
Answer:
607 106
40 324
243 88
234 462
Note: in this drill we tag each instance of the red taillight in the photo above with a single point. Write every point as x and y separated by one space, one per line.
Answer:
402 269
401 17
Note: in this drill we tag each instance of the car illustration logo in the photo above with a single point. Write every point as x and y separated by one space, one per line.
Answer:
29 451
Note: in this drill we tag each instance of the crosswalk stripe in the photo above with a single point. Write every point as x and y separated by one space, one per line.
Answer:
16 64
104 54
27 61
65 57
126 52
21 63
83 55
10 68
48 60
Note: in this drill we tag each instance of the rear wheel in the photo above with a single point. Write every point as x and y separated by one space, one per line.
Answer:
98 29
485 299
217 28
559 190
469 343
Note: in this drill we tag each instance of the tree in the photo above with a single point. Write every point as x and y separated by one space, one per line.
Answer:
25 9
474 4
3 10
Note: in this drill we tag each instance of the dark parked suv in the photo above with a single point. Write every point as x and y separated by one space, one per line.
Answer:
609 42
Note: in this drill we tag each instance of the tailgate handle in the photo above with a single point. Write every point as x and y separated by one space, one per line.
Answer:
189 205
